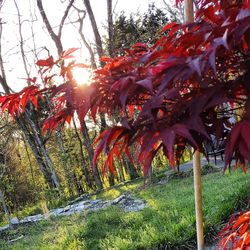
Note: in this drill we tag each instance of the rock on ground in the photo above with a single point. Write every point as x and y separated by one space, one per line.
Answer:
85 204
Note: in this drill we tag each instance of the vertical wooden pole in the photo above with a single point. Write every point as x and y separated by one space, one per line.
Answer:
189 11
198 199
189 17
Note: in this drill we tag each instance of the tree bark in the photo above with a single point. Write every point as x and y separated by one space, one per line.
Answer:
55 37
41 146
30 164
37 153
84 165
111 178
22 43
110 28
52 34
3 81
99 48
98 40
131 169
88 145
80 31
6 211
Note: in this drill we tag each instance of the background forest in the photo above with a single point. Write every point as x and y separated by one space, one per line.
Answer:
40 170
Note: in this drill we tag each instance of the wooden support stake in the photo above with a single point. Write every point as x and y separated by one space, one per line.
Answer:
189 11
189 17
198 199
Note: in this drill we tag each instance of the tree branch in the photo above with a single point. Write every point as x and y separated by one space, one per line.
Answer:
80 31
95 29
52 34
64 18
110 28
22 42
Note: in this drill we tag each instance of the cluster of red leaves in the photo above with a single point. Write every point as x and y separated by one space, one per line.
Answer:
66 97
236 233
179 91
16 102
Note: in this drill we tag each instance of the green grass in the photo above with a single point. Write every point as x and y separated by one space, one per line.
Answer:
168 220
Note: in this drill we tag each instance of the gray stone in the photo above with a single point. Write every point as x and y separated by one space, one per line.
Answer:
67 213
118 199
55 212
32 218
67 208
14 221
100 205
125 201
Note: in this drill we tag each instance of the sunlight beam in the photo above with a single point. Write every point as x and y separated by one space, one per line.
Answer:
82 76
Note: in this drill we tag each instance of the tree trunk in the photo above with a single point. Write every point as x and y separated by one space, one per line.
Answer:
65 162
6 210
44 152
84 164
37 153
30 164
98 40
87 45
120 171
34 139
52 34
110 28
88 145
111 178
131 169
79 187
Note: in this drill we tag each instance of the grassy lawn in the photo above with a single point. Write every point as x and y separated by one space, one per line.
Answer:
169 220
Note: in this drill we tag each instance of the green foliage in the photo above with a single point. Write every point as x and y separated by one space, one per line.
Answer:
30 210
138 28
168 220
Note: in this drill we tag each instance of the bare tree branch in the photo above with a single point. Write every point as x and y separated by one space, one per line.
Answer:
81 17
2 76
22 42
95 29
175 11
64 18
1 4
55 37
52 34
110 28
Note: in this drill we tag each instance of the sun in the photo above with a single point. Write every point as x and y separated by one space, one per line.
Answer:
82 76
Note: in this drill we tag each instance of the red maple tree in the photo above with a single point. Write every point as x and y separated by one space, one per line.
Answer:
181 91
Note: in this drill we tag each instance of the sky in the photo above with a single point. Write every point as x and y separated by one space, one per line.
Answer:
40 39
